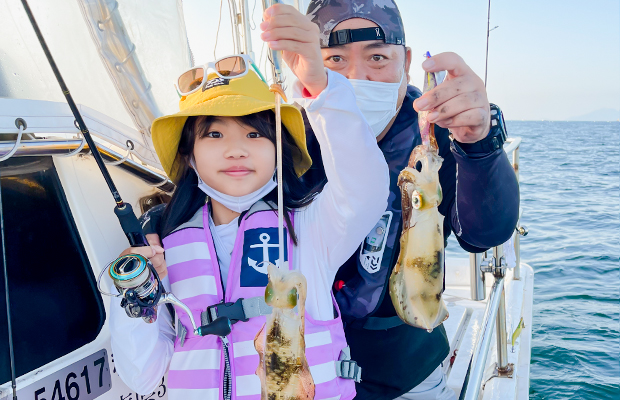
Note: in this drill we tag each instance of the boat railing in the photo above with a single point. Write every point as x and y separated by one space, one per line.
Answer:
495 312
62 147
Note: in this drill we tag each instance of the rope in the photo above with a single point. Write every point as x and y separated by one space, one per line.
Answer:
159 184
233 26
217 33
76 151
130 147
20 132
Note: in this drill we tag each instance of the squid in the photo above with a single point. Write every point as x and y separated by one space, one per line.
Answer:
283 369
416 282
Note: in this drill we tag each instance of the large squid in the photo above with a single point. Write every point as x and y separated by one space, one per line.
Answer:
416 282
283 368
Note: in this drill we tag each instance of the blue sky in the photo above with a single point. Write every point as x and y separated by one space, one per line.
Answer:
549 60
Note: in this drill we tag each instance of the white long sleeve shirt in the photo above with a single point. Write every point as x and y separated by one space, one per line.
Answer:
329 229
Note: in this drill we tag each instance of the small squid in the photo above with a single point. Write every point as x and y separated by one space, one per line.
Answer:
416 282
283 369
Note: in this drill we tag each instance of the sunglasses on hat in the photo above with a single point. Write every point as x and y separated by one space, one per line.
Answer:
229 67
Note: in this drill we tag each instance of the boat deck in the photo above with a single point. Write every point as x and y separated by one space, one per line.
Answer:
465 322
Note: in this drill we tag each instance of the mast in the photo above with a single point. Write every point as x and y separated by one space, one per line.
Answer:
247 31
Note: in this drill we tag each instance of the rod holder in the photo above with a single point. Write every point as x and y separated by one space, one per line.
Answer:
516 273
519 231
476 276
499 264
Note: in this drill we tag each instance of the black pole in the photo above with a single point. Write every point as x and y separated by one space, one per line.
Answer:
486 62
123 211
8 304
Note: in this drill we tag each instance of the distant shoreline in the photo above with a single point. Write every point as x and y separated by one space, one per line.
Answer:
558 120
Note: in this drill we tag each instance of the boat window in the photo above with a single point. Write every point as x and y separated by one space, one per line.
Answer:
55 306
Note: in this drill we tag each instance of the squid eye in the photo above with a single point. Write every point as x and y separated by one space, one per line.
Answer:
292 297
269 294
416 200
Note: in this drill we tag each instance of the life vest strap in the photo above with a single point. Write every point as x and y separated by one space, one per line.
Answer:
380 324
240 310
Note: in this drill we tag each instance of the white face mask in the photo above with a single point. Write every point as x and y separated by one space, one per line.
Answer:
234 203
377 101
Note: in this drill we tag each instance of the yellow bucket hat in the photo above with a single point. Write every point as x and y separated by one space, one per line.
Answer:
226 98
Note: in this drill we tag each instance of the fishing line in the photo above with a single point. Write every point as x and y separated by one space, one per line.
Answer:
275 58
8 304
123 210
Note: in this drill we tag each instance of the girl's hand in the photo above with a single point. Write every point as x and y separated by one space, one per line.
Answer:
154 252
286 29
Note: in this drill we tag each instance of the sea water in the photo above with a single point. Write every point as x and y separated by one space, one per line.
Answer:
570 197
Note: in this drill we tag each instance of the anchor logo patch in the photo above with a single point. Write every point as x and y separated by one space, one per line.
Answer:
260 246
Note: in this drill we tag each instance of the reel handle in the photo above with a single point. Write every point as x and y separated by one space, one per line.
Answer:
130 225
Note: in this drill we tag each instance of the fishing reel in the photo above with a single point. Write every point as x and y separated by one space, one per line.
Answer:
138 285
141 292
137 281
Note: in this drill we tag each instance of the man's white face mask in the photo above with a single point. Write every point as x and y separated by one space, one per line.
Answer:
377 101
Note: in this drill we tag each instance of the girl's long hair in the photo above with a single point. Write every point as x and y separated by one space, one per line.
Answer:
188 198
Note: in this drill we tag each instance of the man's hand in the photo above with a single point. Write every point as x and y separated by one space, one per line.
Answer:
286 29
154 252
460 103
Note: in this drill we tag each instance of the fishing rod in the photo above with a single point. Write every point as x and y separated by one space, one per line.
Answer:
276 87
124 212
486 62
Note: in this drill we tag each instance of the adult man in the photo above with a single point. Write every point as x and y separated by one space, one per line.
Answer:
364 41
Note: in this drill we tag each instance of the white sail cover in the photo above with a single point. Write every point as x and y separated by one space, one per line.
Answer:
119 59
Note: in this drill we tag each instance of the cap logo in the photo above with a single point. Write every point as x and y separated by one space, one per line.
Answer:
211 83
378 32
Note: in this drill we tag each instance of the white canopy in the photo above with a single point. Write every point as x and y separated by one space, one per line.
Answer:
118 59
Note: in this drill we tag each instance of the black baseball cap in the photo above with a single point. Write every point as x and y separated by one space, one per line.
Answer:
329 13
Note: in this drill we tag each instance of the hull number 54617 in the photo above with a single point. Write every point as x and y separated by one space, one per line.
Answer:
86 379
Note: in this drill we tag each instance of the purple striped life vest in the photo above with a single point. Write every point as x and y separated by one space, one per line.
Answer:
197 368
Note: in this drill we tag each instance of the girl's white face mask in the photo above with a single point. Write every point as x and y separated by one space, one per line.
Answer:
377 101
234 203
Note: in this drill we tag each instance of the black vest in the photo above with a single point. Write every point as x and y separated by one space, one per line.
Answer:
393 360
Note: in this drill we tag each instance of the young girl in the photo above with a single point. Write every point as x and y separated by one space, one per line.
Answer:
221 224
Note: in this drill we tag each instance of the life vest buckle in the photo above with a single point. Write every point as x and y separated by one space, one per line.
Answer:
346 368
234 312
